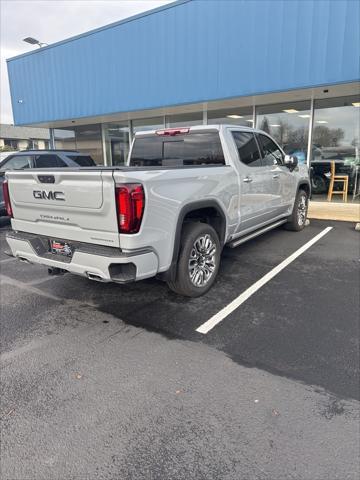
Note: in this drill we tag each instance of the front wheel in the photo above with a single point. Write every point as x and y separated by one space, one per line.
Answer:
297 219
199 260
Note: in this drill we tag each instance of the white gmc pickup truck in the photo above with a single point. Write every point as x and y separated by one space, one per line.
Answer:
184 194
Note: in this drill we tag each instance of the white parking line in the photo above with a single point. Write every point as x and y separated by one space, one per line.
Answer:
219 317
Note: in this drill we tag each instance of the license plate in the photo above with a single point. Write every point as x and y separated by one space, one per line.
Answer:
60 248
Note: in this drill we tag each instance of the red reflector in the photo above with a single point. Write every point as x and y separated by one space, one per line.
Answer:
130 201
5 187
171 132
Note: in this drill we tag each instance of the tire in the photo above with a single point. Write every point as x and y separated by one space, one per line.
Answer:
296 221
196 271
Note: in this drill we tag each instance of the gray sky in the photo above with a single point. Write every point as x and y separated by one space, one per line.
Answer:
52 20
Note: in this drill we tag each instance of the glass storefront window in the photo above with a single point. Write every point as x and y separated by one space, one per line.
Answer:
83 138
64 139
234 116
88 139
116 136
336 143
184 120
153 123
288 123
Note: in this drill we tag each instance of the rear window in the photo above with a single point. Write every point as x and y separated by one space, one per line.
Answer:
48 160
180 150
82 160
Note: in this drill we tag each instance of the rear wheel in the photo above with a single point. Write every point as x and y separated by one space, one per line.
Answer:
296 221
198 261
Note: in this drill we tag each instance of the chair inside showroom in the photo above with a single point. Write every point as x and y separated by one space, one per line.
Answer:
343 179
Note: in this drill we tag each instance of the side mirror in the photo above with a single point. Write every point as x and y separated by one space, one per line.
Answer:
291 161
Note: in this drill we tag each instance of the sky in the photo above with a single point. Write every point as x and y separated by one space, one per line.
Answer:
50 21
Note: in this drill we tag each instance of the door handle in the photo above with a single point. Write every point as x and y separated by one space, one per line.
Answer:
276 175
247 179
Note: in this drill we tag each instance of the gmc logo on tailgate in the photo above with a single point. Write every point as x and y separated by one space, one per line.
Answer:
44 195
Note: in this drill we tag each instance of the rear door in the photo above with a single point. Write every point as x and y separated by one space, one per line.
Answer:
65 204
256 199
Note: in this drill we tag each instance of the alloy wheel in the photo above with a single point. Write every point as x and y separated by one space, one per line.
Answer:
202 261
301 210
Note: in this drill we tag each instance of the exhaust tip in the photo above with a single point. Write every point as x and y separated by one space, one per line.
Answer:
94 276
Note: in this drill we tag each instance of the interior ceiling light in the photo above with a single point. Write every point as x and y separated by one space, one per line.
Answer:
234 116
251 121
290 110
356 104
306 115
274 125
321 121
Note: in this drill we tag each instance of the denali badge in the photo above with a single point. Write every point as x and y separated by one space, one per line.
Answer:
43 195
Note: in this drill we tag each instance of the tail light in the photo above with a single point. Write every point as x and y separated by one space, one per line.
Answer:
130 201
5 187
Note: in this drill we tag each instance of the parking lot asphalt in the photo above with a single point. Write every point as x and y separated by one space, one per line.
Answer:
108 381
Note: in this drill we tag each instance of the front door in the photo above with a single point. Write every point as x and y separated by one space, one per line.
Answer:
282 180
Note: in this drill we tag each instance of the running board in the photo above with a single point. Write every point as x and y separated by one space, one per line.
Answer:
250 236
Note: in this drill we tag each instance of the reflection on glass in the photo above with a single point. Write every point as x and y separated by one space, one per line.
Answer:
116 136
184 120
288 124
83 138
336 139
143 124
233 116
64 139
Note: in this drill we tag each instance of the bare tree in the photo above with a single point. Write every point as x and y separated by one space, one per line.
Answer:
328 137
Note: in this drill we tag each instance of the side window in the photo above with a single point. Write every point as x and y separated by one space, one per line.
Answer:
271 153
48 161
247 148
18 162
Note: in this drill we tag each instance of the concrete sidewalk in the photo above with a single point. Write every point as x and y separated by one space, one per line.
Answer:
344 212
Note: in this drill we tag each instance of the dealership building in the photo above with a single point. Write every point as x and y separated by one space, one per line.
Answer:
288 67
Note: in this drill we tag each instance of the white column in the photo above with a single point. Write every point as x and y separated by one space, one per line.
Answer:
52 138
205 116
107 161
310 137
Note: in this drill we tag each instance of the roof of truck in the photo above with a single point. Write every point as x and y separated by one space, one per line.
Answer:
201 127
194 128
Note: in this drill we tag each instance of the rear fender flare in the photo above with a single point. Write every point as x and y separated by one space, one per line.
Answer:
191 207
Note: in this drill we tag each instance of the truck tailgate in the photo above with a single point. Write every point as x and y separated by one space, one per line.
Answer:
65 204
